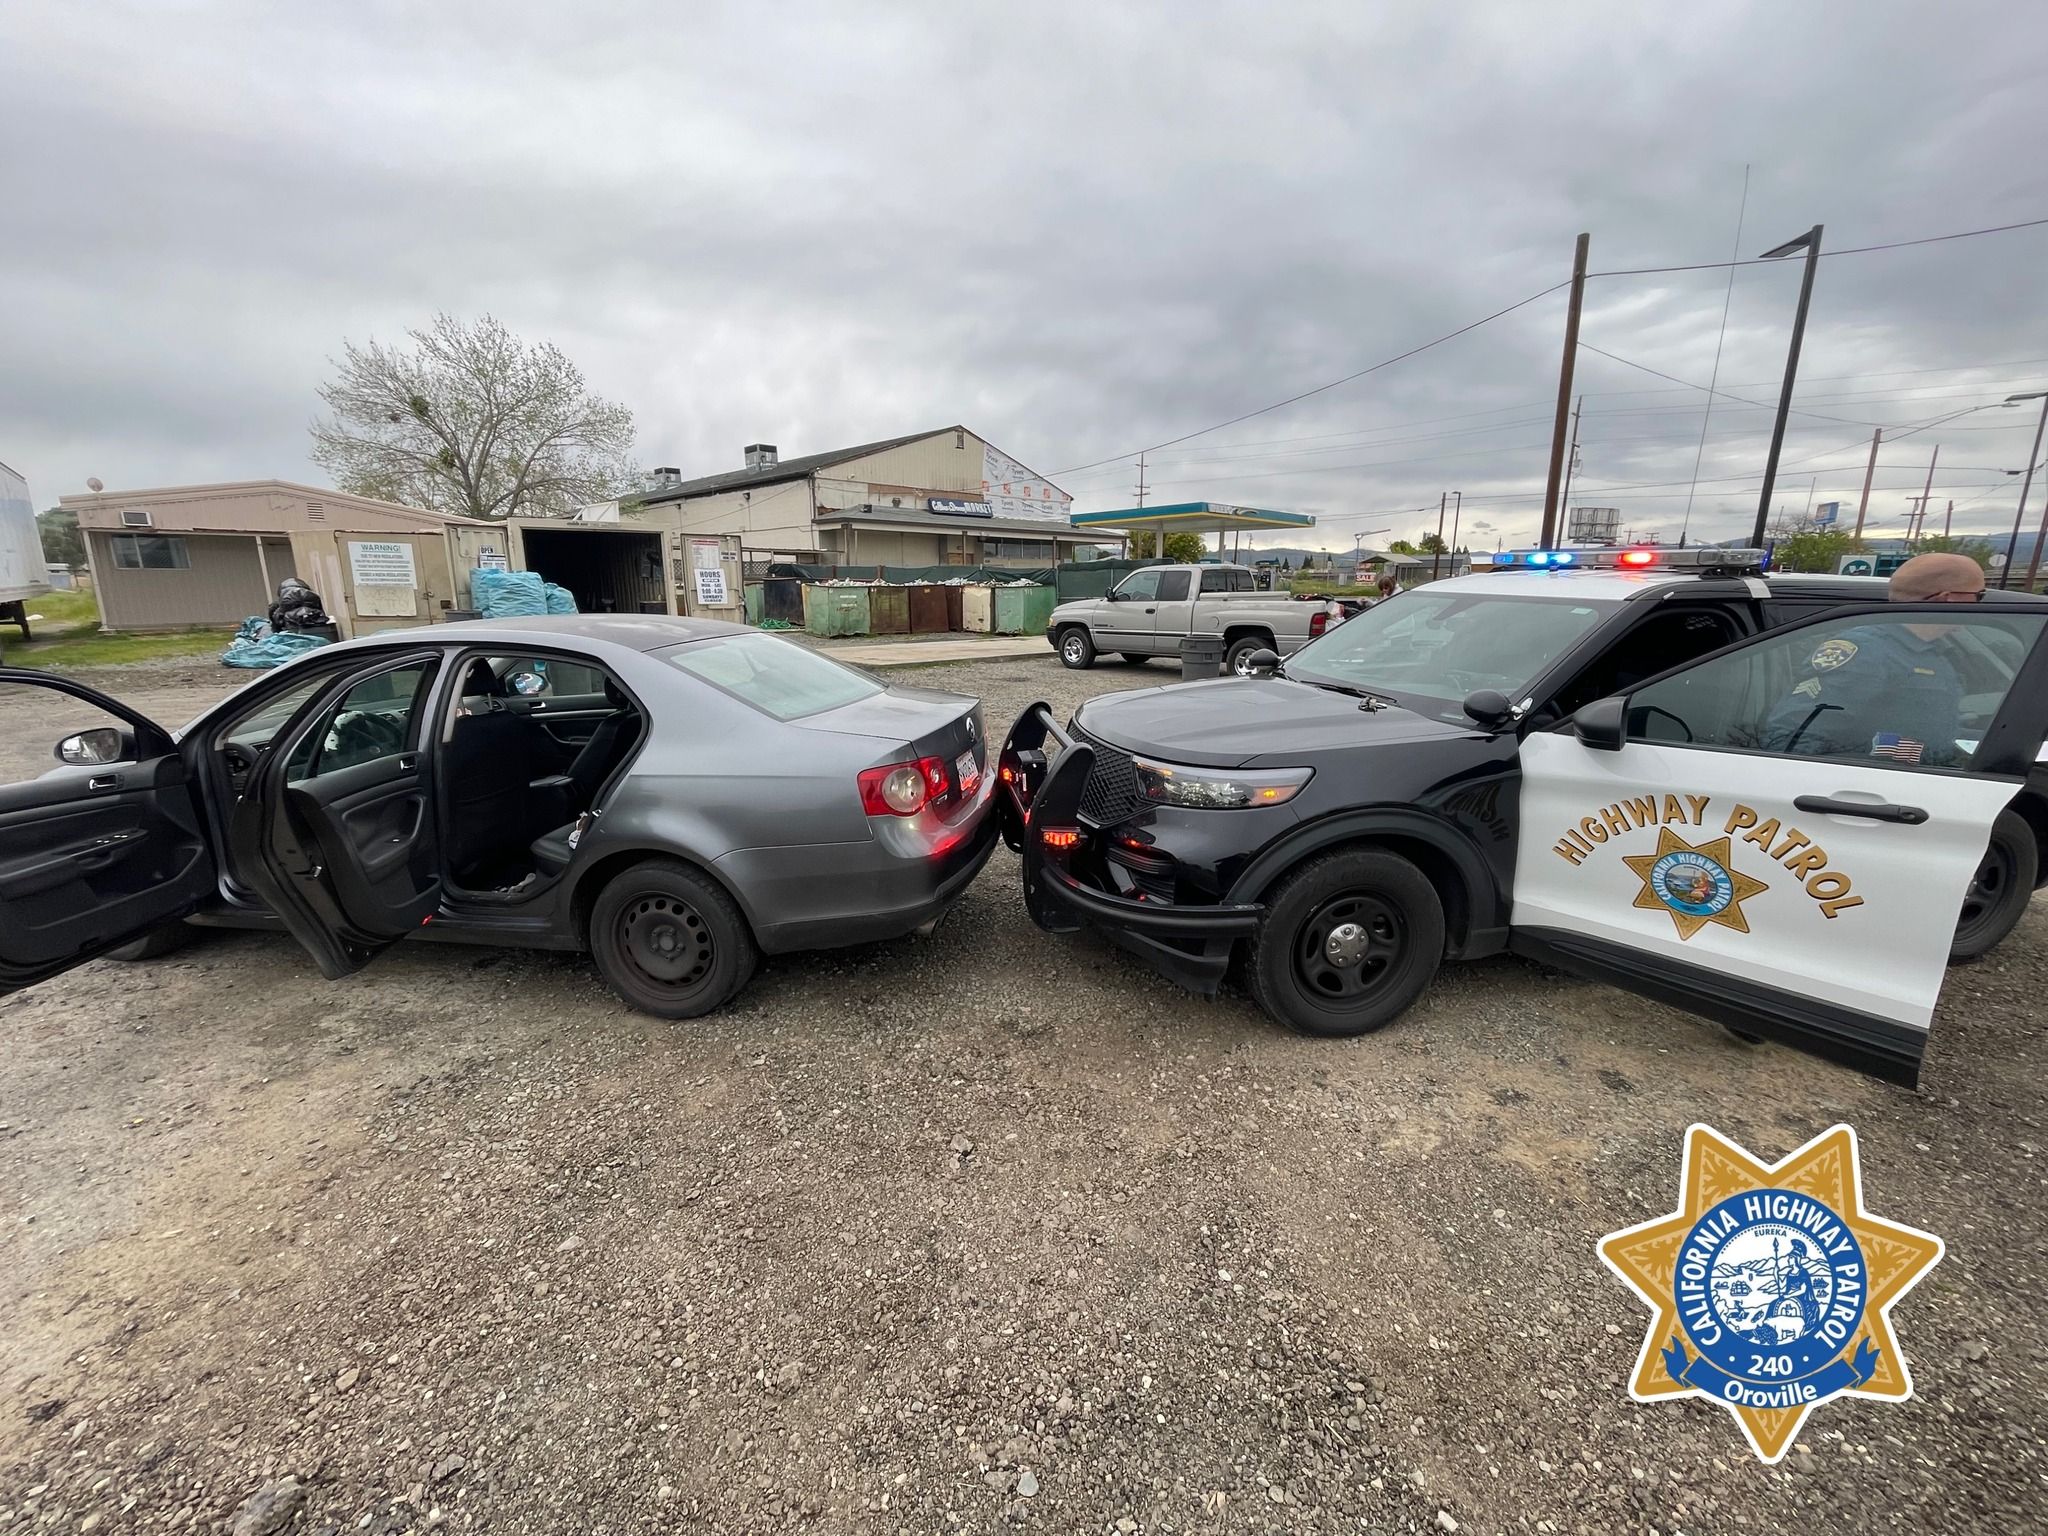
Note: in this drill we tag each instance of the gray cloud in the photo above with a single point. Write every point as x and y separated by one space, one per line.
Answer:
1078 228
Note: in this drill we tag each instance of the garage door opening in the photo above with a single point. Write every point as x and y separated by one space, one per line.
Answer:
607 570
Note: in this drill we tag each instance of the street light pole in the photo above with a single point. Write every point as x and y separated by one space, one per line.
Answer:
1436 556
2012 548
1810 241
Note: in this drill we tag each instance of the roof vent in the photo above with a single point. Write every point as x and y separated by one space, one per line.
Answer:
761 456
665 478
316 512
135 519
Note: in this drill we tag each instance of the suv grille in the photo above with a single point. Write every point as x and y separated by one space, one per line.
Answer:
1111 793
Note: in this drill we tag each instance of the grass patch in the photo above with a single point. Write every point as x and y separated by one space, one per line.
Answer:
102 650
60 613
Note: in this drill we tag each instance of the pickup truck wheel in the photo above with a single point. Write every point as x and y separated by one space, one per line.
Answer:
1349 940
2000 889
1077 651
1237 660
1134 658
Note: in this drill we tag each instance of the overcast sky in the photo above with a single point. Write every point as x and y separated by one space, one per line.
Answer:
1079 229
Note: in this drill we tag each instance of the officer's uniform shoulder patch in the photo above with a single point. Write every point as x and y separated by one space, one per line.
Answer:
1831 654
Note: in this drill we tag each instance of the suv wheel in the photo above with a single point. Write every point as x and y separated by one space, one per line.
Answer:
1077 651
1238 661
2000 889
669 941
1348 942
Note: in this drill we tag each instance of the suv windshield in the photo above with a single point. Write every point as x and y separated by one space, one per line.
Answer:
777 677
1432 649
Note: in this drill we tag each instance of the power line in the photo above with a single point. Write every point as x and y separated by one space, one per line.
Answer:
1710 390
1853 250
1321 388
1720 337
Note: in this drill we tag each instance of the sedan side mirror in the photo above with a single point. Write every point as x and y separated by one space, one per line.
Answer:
89 748
1489 707
1260 663
1599 725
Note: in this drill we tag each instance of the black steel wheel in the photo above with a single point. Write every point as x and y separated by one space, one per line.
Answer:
2000 889
670 941
1349 940
1077 651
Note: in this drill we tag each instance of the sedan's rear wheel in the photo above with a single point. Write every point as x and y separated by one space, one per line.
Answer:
1349 940
670 942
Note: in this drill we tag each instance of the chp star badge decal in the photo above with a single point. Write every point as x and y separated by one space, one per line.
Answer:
1696 885
1770 1287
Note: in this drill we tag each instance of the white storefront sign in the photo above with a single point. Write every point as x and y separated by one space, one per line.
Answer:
1011 490
711 586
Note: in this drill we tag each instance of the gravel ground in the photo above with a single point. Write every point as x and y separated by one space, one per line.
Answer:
969 1233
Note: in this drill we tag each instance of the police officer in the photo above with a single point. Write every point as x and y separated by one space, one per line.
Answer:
1884 691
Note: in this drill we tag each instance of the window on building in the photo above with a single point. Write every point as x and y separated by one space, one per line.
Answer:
1017 549
150 552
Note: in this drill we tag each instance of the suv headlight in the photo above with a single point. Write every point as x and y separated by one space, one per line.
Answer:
1213 789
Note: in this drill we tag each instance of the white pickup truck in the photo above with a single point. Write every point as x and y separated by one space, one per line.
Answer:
1152 610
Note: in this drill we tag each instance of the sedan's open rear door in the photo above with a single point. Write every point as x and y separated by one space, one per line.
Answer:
336 829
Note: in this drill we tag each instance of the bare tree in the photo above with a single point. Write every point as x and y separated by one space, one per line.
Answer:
469 419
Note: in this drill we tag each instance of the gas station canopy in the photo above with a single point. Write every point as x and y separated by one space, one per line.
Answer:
1193 517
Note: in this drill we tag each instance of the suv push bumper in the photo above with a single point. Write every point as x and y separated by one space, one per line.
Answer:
1038 805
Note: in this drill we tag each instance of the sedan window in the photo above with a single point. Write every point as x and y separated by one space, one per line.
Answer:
778 677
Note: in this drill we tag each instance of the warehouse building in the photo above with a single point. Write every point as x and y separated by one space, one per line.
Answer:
198 556
943 497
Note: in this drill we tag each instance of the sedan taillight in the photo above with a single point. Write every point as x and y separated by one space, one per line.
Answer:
902 789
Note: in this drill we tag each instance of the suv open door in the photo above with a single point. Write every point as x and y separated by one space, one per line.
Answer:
336 827
1750 838
103 849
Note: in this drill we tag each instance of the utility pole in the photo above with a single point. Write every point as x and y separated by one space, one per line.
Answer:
1564 392
1927 490
1457 512
1436 556
1869 469
1810 240
1141 479
2012 548
1571 464
1948 520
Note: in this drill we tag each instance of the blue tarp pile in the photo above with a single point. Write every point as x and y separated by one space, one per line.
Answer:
517 595
257 646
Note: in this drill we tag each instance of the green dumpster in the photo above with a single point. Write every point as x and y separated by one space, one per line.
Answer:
836 610
754 593
1023 610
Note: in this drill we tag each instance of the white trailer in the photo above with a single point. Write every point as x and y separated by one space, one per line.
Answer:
23 574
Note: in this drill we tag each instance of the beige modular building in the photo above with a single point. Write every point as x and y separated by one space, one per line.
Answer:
210 555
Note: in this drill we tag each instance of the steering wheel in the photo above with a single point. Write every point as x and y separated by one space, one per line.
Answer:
1465 682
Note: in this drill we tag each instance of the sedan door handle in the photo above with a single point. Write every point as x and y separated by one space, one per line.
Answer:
101 782
1822 805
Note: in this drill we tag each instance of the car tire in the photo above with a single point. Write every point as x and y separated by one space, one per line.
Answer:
670 941
1348 942
153 945
2000 888
1234 659
1077 651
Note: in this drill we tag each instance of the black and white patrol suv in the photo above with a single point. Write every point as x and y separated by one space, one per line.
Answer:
1573 755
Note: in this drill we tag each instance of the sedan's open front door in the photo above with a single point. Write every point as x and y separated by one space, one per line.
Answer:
336 829
105 846
1780 848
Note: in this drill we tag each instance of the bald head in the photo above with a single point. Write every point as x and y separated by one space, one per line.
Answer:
1930 576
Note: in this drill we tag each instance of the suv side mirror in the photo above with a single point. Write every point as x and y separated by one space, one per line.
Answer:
1260 663
90 748
1599 725
1489 707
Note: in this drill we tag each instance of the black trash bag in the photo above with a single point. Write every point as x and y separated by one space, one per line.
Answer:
297 607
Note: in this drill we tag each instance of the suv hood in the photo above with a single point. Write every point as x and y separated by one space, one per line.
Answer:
1230 722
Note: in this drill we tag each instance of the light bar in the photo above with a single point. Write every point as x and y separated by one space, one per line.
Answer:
1702 558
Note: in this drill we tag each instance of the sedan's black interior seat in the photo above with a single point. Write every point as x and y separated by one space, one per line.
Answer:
489 765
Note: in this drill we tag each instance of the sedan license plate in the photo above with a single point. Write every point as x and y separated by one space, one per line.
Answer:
965 773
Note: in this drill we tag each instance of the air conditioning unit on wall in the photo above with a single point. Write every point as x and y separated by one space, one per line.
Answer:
131 519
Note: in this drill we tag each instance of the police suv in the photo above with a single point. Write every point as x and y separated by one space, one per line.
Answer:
1779 801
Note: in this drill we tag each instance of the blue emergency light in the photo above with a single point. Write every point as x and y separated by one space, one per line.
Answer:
1700 559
